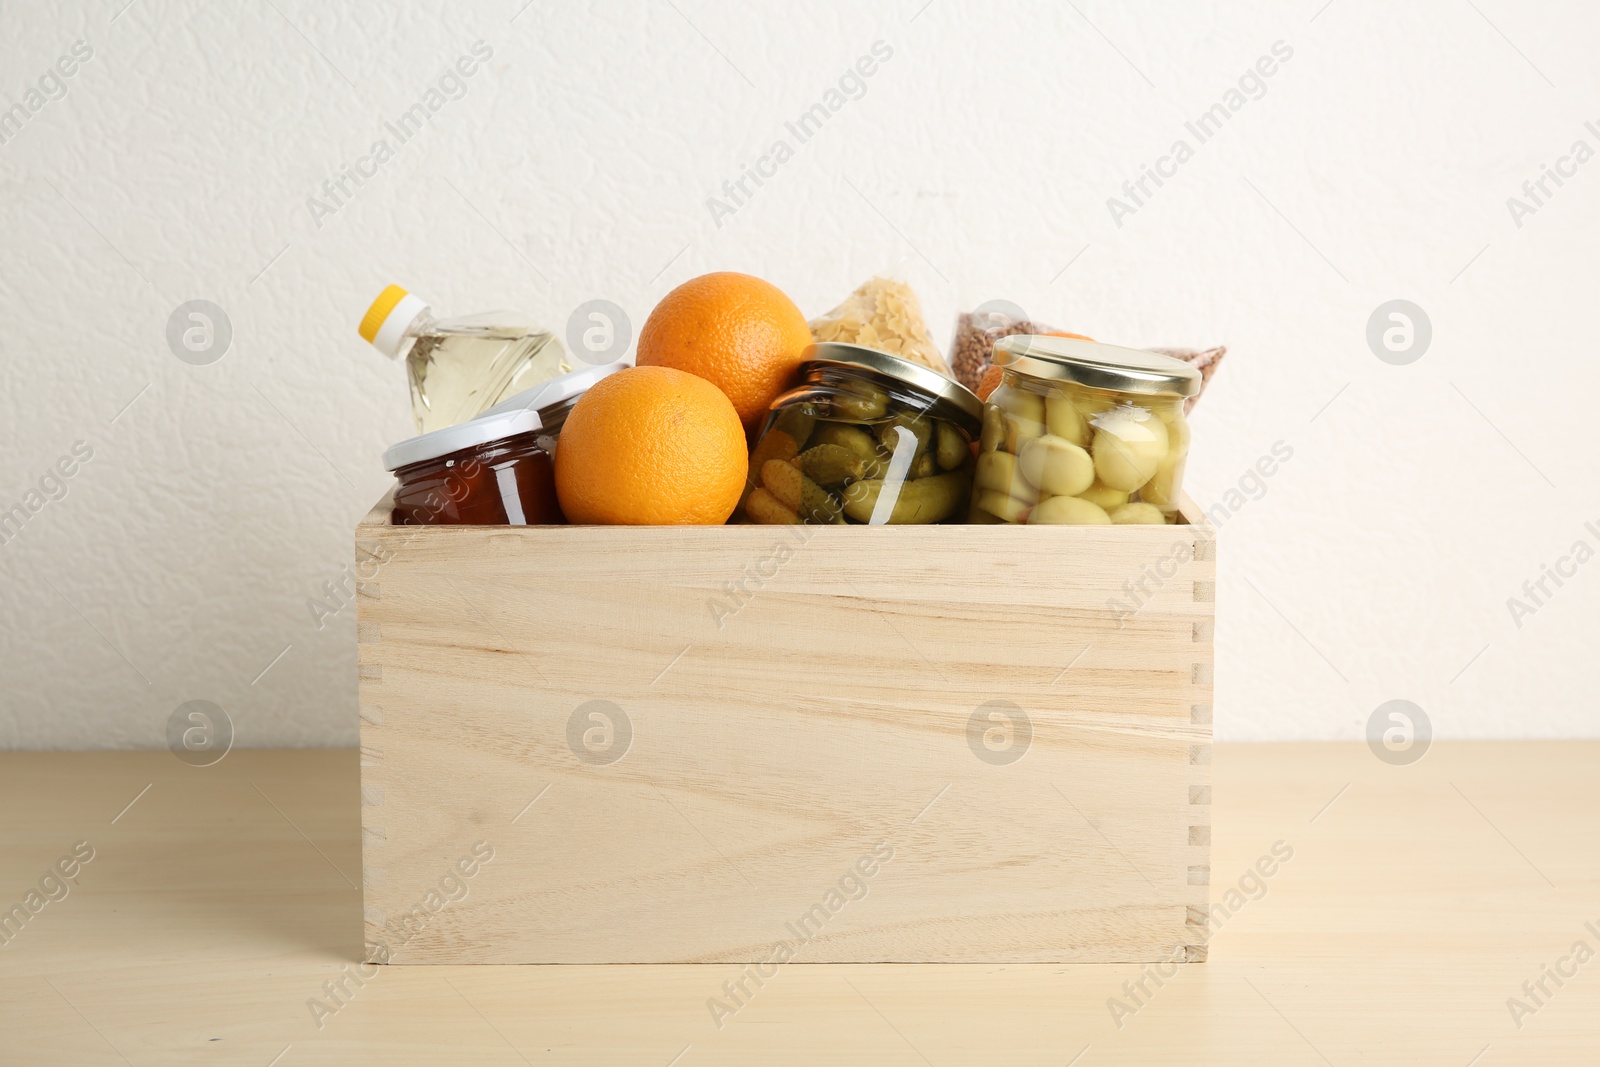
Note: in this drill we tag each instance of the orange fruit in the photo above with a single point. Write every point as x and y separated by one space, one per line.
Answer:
737 332
651 446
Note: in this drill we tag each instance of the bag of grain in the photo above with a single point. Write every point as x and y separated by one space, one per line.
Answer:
977 331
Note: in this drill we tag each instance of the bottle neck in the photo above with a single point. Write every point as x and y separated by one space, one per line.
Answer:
419 325
409 317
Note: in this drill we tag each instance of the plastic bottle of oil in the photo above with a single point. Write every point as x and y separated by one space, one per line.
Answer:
460 367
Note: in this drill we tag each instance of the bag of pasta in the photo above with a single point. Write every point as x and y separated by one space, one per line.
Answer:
886 315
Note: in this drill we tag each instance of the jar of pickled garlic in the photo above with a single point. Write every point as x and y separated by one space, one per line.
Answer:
866 438
1079 432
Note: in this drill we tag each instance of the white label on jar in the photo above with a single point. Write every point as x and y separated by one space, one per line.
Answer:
905 450
510 496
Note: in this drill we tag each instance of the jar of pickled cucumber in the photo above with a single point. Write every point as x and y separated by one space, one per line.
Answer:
1079 432
866 438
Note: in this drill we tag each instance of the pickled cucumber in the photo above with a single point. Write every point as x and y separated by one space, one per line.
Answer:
764 508
1067 511
799 494
795 422
784 481
774 444
861 401
889 435
951 447
832 465
854 438
923 500
1056 466
994 428
854 441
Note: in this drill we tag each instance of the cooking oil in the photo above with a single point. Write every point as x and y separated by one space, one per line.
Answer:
462 366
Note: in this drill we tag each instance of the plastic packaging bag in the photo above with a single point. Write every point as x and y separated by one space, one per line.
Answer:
1204 360
886 315
977 331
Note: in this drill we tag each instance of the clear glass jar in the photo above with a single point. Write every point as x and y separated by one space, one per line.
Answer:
494 470
868 438
1082 433
506 482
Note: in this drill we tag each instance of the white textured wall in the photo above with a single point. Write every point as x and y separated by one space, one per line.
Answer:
1376 166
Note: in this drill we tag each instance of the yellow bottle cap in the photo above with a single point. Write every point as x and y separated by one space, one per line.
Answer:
379 311
386 321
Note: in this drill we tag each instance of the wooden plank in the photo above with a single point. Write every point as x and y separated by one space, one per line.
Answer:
1416 902
801 707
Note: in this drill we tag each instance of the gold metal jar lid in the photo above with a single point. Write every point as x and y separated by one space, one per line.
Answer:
1097 366
859 357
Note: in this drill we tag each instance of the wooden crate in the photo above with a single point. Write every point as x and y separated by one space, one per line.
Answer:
808 737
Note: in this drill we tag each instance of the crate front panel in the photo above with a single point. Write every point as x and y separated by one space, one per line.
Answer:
787 736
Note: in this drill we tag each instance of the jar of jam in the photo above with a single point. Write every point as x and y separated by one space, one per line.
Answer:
495 470
1079 432
866 438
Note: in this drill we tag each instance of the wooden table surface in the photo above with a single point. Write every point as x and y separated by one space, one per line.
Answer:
1417 903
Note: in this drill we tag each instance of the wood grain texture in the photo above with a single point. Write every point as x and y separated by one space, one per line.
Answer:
222 904
805 765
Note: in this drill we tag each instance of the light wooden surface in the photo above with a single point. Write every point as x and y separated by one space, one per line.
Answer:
1418 900
800 762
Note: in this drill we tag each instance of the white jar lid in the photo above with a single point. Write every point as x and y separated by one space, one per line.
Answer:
557 390
470 434
518 414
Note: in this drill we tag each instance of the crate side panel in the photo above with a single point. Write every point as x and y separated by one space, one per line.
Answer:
818 726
